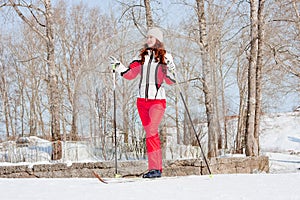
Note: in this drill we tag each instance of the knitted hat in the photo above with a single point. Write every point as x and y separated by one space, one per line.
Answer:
157 33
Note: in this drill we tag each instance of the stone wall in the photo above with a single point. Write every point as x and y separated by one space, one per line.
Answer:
136 168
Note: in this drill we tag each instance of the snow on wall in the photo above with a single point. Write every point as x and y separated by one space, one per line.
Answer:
34 149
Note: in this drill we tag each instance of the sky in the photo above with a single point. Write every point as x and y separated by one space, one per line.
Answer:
169 12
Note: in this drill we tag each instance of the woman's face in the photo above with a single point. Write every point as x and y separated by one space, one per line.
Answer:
151 41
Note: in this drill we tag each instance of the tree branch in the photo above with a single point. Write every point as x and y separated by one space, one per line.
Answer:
2 5
135 22
32 7
283 20
30 59
37 21
27 21
127 9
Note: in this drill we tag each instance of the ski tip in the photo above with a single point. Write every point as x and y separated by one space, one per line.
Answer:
99 177
118 176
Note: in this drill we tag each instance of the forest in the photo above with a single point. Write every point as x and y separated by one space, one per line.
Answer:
234 59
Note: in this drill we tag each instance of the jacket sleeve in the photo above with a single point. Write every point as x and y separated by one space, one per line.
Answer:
132 71
170 78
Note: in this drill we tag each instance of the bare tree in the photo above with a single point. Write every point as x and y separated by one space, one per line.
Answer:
44 28
207 80
241 75
284 43
5 101
254 78
260 36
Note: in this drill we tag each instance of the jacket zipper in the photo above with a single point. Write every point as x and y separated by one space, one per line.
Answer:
147 75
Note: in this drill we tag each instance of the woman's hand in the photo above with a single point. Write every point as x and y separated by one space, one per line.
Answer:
114 62
170 63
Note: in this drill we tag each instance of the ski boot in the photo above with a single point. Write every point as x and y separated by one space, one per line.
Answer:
153 173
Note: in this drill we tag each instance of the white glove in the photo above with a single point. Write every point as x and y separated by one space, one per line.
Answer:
171 66
170 63
114 62
117 65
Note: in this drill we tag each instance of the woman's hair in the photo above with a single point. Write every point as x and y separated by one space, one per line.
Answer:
159 51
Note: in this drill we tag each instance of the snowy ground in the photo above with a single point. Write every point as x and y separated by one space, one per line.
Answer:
280 141
217 187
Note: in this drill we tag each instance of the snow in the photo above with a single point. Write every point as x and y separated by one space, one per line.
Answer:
280 140
280 132
217 187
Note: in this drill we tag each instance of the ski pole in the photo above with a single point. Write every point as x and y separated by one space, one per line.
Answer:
190 119
114 120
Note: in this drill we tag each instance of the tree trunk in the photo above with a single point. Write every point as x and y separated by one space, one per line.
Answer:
177 120
251 143
241 127
259 71
212 123
125 114
74 131
224 112
53 83
6 107
187 139
149 19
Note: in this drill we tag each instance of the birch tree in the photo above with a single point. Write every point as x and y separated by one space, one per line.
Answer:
254 78
259 69
207 81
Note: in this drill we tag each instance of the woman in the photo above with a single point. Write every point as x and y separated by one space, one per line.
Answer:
154 66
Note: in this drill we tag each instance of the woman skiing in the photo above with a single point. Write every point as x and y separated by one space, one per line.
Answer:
154 66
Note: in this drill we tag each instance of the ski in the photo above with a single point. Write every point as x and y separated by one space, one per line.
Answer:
116 180
125 180
99 177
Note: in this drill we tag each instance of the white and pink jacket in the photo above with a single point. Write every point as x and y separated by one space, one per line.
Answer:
152 75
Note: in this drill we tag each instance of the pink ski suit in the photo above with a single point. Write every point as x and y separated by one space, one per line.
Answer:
151 102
